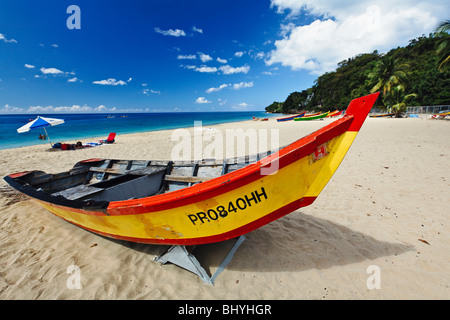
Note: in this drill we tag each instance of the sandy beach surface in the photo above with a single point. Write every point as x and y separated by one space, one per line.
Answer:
379 229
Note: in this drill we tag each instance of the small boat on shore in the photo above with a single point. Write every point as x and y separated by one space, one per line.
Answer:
260 119
312 117
335 113
441 115
384 115
291 117
198 202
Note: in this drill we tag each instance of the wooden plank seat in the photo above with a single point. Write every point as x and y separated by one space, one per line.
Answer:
78 192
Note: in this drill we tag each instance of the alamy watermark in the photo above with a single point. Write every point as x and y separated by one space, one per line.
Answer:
74 20
374 280
74 280
211 143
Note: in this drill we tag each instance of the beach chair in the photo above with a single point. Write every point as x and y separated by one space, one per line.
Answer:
110 139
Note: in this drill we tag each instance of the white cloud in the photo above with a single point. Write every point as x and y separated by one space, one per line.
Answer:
29 66
9 109
187 57
129 79
231 70
197 30
170 32
55 45
4 39
203 69
239 54
53 71
202 100
206 69
236 86
286 28
349 28
260 55
70 109
39 109
74 108
62 109
204 57
147 91
226 69
74 79
110 82
221 60
239 86
222 86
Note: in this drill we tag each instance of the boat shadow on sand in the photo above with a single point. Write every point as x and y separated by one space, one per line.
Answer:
296 242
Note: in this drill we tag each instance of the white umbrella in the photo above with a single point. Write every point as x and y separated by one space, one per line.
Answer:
40 122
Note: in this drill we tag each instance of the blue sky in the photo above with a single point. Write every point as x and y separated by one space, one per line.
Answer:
196 55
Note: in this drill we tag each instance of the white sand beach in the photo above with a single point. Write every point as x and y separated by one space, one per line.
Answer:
384 213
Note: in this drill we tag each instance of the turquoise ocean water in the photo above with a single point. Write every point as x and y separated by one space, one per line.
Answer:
84 126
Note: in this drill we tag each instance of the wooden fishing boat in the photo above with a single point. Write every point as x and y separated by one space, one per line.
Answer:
331 113
190 203
312 114
319 116
382 115
440 115
260 119
335 113
291 117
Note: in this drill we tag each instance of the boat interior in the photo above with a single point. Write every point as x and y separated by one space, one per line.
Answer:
117 180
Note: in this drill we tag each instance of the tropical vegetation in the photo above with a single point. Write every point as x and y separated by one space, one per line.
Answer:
443 50
415 75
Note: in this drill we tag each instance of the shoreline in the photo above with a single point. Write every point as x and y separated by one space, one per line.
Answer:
385 198
132 130
97 138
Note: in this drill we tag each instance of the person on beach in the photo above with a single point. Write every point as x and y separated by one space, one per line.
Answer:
79 145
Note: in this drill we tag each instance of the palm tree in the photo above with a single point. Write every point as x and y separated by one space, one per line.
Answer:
388 74
443 49
401 99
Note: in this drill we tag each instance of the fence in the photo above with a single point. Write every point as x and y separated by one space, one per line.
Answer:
427 109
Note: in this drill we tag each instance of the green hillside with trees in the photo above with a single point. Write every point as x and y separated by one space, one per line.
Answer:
415 75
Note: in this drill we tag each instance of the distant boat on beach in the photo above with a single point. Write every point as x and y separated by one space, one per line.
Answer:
335 113
382 115
260 119
312 117
291 117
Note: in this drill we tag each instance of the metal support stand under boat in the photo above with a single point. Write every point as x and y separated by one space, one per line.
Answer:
180 256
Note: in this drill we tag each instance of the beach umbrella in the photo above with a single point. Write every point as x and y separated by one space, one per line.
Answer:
40 122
